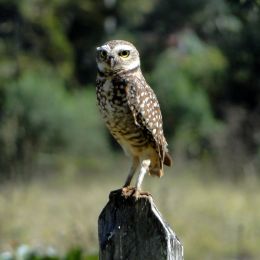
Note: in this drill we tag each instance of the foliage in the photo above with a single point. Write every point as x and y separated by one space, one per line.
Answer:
181 78
41 116
202 58
25 252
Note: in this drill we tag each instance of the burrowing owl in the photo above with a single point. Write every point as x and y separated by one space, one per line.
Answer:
130 109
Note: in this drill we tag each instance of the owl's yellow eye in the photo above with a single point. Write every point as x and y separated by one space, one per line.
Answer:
124 54
103 54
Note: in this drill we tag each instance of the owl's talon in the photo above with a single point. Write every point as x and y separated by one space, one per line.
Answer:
140 194
127 191
134 192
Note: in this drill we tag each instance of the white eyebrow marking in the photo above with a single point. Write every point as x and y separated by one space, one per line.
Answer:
123 47
104 47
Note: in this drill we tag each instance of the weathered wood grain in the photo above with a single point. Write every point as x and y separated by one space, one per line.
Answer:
132 229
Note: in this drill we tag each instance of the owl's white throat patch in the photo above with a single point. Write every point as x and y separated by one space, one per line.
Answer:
102 67
133 65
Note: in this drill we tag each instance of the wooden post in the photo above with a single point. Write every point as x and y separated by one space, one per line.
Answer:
132 229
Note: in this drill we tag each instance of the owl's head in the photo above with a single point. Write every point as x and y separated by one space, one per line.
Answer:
116 56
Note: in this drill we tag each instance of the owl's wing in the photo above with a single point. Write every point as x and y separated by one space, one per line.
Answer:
146 111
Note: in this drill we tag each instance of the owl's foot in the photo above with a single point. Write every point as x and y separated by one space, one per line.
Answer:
134 192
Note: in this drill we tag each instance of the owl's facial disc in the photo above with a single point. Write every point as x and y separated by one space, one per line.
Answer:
121 57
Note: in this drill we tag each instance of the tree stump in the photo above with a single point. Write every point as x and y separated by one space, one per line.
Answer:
131 229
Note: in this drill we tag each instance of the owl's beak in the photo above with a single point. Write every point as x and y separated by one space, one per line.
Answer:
111 61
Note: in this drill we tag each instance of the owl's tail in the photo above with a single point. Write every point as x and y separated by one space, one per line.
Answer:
156 167
156 171
167 160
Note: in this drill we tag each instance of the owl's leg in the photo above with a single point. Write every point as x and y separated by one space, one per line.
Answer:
144 169
135 164
136 191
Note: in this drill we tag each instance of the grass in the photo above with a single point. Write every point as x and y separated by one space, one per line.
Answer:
214 218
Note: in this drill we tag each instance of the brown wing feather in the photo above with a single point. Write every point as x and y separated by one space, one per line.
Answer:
146 111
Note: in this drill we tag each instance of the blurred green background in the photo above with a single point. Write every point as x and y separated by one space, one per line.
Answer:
58 163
